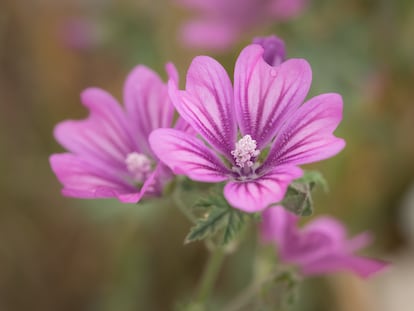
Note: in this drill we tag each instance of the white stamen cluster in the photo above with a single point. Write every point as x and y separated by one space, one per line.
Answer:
139 165
244 152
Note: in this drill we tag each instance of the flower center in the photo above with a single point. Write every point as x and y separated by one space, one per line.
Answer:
139 165
245 152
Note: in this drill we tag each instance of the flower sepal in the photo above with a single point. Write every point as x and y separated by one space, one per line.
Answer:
298 198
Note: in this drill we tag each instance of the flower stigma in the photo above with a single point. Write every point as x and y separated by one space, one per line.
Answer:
244 154
139 165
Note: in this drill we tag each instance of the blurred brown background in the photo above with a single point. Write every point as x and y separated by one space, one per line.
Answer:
66 254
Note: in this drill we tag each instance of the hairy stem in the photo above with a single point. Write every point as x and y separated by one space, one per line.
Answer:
209 276
248 294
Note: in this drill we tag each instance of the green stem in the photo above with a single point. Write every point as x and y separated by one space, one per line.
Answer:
243 298
247 295
209 277
182 207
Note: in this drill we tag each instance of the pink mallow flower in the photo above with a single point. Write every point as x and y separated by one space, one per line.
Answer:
109 154
221 23
254 135
320 247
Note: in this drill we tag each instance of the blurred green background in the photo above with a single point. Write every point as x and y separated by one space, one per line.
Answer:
58 253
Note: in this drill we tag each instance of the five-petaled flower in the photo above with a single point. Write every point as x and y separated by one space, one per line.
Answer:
109 154
320 247
252 135
222 22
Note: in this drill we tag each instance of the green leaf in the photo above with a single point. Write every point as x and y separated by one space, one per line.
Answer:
213 200
218 220
207 227
314 178
235 223
280 293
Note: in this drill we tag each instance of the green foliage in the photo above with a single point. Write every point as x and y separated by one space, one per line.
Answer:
298 197
279 293
314 178
219 221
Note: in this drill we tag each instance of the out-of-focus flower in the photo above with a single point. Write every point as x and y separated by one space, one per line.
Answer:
252 135
320 247
109 154
222 22
80 34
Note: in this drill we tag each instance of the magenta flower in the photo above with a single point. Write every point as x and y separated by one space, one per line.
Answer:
318 248
109 154
223 22
252 135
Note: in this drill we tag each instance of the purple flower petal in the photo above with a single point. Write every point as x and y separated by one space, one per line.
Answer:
321 237
336 231
285 9
186 155
300 247
308 135
207 103
105 145
82 179
180 124
278 225
172 73
360 241
255 195
328 226
364 267
147 104
213 34
149 187
217 19
266 96
103 136
320 247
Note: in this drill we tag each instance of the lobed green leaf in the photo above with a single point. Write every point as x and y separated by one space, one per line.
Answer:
219 221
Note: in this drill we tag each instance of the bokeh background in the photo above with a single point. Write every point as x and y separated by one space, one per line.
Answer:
58 253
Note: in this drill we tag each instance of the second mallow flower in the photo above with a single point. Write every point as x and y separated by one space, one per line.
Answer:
252 135
109 154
